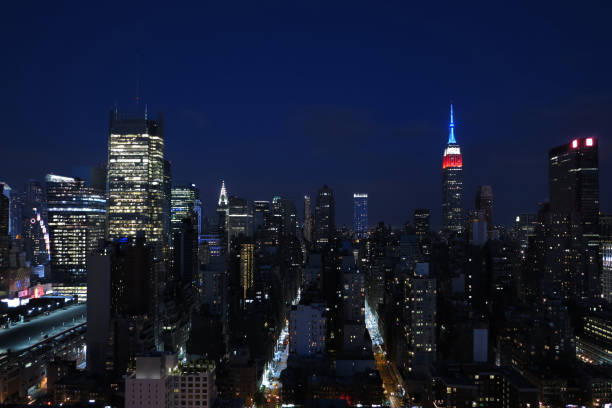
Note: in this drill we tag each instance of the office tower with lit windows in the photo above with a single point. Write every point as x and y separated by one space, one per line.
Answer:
136 182
76 219
325 218
183 204
307 219
452 182
484 204
421 222
574 207
360 215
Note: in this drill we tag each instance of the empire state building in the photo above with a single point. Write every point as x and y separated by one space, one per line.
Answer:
452 182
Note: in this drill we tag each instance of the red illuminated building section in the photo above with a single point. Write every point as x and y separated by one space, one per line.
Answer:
452 157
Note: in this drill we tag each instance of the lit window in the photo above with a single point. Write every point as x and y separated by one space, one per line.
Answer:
589 141
574 143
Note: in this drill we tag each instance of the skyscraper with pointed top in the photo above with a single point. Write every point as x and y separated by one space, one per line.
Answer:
452 182
222 209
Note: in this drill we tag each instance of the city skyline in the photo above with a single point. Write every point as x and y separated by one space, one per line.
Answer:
397 109
264 205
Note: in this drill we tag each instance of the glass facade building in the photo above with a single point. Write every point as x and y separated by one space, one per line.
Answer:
185 198
76 220
136 177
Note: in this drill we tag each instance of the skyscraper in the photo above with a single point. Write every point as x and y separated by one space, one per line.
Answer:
136 177
484 204
574 207
239 218
35 232
360 215
574 182
525 226
247 268
183 204
262 215
284 218
307 219
421 221
222 207
452 182
4 222
77 216
325 221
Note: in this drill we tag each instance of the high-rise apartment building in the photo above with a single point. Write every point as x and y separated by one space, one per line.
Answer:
360 215
136 177
422 300
76 217
325 217
307 330
452 182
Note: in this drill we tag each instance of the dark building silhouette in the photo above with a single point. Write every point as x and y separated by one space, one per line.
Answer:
574 215
421 222
325 217
484 204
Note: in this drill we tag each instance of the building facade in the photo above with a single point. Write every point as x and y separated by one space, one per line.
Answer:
136 177
360 215
325 217
77 218
574 212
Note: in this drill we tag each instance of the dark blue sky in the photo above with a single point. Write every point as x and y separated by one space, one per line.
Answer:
280 99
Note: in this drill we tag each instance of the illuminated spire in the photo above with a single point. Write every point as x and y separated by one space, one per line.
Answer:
451 128
223 195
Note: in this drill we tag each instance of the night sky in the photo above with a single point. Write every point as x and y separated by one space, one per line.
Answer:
279 99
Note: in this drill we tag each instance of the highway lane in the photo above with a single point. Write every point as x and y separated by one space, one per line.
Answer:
26 334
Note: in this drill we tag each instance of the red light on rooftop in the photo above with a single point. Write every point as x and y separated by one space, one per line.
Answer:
574 143
589 141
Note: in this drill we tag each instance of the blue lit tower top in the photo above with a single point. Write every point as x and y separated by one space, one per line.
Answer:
451 128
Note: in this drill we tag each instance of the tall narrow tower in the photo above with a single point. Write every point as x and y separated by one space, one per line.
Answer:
222 208
452 182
